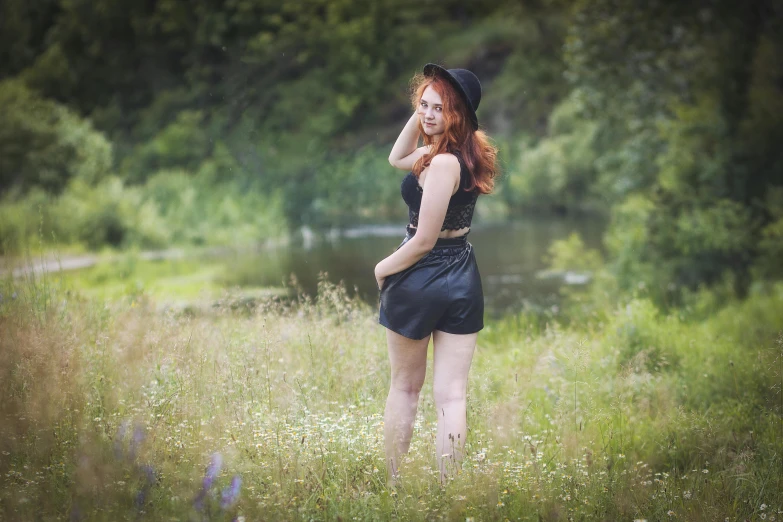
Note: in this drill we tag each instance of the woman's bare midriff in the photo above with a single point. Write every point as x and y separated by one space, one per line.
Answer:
444 234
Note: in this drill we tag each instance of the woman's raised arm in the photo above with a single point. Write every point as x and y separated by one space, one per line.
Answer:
404 153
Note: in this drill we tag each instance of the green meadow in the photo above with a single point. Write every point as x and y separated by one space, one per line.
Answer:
272 409
187 280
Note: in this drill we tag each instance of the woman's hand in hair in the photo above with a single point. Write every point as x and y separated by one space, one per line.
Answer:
404 152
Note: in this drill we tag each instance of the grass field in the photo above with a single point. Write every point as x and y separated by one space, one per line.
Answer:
114 409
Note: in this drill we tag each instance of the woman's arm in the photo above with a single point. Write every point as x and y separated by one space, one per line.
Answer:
404 152
441 182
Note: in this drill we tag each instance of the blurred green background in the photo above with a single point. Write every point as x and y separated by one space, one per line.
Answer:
130 124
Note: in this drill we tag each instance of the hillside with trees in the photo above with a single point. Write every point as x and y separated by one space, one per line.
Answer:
229 122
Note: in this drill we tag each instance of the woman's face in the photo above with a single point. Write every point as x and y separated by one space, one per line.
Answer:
430 112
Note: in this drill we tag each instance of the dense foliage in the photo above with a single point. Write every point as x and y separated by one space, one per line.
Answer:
686 98
667 115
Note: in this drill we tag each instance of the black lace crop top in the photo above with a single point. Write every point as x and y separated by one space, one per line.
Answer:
459 213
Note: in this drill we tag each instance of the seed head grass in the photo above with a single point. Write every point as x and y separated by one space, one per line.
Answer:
122 409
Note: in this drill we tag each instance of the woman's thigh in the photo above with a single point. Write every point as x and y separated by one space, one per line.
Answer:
408 358
452 356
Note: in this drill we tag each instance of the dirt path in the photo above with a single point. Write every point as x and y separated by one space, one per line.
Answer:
30 266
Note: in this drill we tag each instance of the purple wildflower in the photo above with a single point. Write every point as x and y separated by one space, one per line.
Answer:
141 496
118 441
76 513
215 463
198 502
231 493
149 476
149 473
211 473
136 440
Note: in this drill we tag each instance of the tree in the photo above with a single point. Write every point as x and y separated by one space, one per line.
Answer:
42 143
676 89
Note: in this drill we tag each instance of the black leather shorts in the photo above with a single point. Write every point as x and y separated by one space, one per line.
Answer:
442 291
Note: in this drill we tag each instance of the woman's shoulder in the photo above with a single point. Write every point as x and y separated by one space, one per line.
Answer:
458 155
464 170
447 158
448 162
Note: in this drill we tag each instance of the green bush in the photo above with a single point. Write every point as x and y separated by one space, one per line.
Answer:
768 264
172 208
628 242
362 185
29 221
182 144
44 144
643 338
197 211
556 173
99 215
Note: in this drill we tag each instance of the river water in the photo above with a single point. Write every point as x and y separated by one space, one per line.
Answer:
509 255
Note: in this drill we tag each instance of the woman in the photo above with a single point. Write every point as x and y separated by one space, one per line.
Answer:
430 285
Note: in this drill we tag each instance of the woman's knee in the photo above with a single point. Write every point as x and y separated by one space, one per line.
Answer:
407 383
449 394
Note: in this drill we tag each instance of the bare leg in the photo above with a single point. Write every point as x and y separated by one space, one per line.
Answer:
452 357
408 360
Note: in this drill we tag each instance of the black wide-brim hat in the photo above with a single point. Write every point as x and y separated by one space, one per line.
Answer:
465 82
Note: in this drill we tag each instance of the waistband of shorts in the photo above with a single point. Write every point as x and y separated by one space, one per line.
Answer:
444 246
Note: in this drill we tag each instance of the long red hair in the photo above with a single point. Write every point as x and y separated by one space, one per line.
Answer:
477 151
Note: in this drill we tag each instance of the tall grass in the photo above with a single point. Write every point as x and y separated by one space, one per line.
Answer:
116 410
